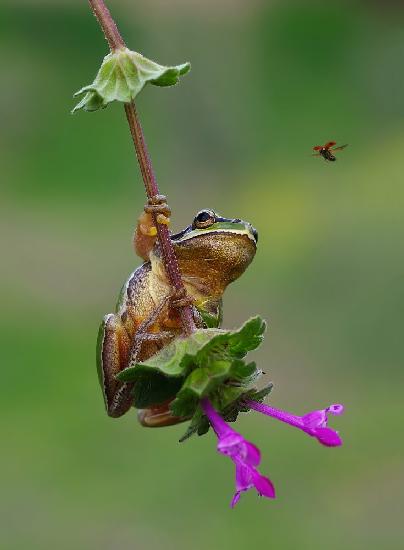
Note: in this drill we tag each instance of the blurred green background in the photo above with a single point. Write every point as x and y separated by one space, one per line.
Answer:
270 79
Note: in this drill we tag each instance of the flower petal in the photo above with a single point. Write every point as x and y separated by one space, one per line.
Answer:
244 477
231 445
252 454
336 409
248 477
315 419
235 499
327 437
263 485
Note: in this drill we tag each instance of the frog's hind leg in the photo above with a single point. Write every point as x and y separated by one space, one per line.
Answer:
114 345
116 350
158 416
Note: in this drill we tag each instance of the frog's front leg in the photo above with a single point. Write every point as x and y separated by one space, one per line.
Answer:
146 231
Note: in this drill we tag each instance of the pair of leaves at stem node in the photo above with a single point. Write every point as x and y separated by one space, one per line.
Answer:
122 75
209 363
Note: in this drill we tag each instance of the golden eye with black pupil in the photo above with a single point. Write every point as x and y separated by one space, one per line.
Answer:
203 219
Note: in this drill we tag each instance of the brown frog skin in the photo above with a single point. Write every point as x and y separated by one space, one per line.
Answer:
212 252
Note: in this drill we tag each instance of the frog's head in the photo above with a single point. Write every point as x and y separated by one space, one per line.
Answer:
214 251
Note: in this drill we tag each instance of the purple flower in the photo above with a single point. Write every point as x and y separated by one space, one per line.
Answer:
313 423
244 454
247 456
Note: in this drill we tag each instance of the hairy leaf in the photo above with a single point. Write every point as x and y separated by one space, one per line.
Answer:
122 75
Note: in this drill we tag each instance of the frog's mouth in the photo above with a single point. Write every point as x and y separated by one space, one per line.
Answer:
222 225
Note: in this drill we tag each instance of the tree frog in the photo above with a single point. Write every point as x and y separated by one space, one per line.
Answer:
212 252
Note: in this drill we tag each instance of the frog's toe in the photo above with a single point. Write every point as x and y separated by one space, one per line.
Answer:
158 416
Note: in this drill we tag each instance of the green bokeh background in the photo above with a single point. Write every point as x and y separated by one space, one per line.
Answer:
270 79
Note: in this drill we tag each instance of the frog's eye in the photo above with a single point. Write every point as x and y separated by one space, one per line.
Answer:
204 219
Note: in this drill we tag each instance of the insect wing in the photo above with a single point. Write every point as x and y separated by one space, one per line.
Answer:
340 147
330 144
317 148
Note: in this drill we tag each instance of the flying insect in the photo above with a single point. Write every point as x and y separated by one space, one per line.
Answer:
327 151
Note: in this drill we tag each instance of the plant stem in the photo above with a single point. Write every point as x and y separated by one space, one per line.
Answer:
116 42
110 30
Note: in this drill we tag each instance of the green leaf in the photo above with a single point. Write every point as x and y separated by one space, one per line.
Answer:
186 405
212 314
232 404
248 338
199 349
209 363
205 379
154 389
193 427
260 395
244 373
253 395
199 424
122 75
199 383
235 344
173 360
203 426
196 384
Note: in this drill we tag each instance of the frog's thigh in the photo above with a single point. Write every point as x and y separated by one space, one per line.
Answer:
112 355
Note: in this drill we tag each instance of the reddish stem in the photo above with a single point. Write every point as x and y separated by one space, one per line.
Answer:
116 42
107 24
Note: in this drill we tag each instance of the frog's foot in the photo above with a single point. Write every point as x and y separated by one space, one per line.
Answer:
159 416
180 298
